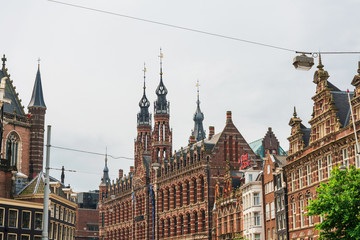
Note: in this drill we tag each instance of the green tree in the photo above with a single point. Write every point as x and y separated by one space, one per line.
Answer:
338 201
239 237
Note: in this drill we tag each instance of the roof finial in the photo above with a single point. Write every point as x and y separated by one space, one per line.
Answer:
198 91
106 156
62 175
3 59
144 70
320 66
295 114
161 56
39 61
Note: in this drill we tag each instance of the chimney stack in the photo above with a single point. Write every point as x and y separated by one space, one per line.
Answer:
121 173
192 140
211 131
228 117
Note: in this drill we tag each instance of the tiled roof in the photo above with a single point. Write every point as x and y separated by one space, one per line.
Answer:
11 94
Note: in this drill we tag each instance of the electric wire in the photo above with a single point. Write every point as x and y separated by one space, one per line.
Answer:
89 152
173 26
200 31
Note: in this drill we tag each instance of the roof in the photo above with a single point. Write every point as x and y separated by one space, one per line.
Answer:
11 94
37 98
342 104
306 134
256 145
36 186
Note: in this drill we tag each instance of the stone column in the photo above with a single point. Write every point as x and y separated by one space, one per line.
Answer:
178 196
192 223
191 192
179 225
184 193
171 198
198 183
165 200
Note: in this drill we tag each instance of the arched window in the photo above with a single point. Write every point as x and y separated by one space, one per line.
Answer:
181 195
175 226
182 224
174 189
189 223
188 193
202 189
162 228
196 222
13 152
203 221
169 227
195 191
168 199
164 135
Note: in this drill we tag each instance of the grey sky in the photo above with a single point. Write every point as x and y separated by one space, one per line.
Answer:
92 64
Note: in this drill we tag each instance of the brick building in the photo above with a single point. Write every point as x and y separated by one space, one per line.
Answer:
314 151
87 216
22 134
275 215
169 194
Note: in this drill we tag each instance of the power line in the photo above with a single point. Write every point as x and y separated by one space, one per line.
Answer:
173 26
93 153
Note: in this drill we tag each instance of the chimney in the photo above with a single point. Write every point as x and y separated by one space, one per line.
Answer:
211 131
192 140
62 175
228 117
131 169
121 173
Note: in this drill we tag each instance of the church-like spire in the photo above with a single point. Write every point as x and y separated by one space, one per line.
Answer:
105 180
37 98
199 132
161 104
143 116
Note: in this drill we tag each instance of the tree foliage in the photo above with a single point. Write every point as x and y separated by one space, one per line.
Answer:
338 201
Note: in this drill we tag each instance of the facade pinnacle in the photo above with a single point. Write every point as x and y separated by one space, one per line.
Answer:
198 132
37 98
161 104
143 116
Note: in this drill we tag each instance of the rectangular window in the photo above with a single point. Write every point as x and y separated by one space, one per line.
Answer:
308 174
328 165
12 236
38 221
25 237
267 207
25 219
302 216
37 237
301 180
272 207
57 212
345 157
52 211
61 213
320 170
282 201
2 216
13 218
257 236
1 236
293 181
257 219
294 215
311 222
256 199
51 231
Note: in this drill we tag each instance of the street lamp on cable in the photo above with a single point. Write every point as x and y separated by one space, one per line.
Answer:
303 62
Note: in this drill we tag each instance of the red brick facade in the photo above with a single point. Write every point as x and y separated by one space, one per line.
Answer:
87 223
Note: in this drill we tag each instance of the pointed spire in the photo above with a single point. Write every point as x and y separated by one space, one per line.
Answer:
37 98
144 116
105 179
3 59
320 66
198 132
161 105
295 114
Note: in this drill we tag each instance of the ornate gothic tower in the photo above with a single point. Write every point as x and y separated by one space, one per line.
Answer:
198 132
143 139
37 109
162 135
105 182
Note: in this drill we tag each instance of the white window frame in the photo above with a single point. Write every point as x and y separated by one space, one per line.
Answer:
12 234
257 221
301 179
320 169
267 207
25 235
256 198
308 175
294 214
329 164
302 215
293 184
345 157
272 210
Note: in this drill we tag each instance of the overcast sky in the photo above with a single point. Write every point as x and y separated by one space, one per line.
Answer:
91 68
